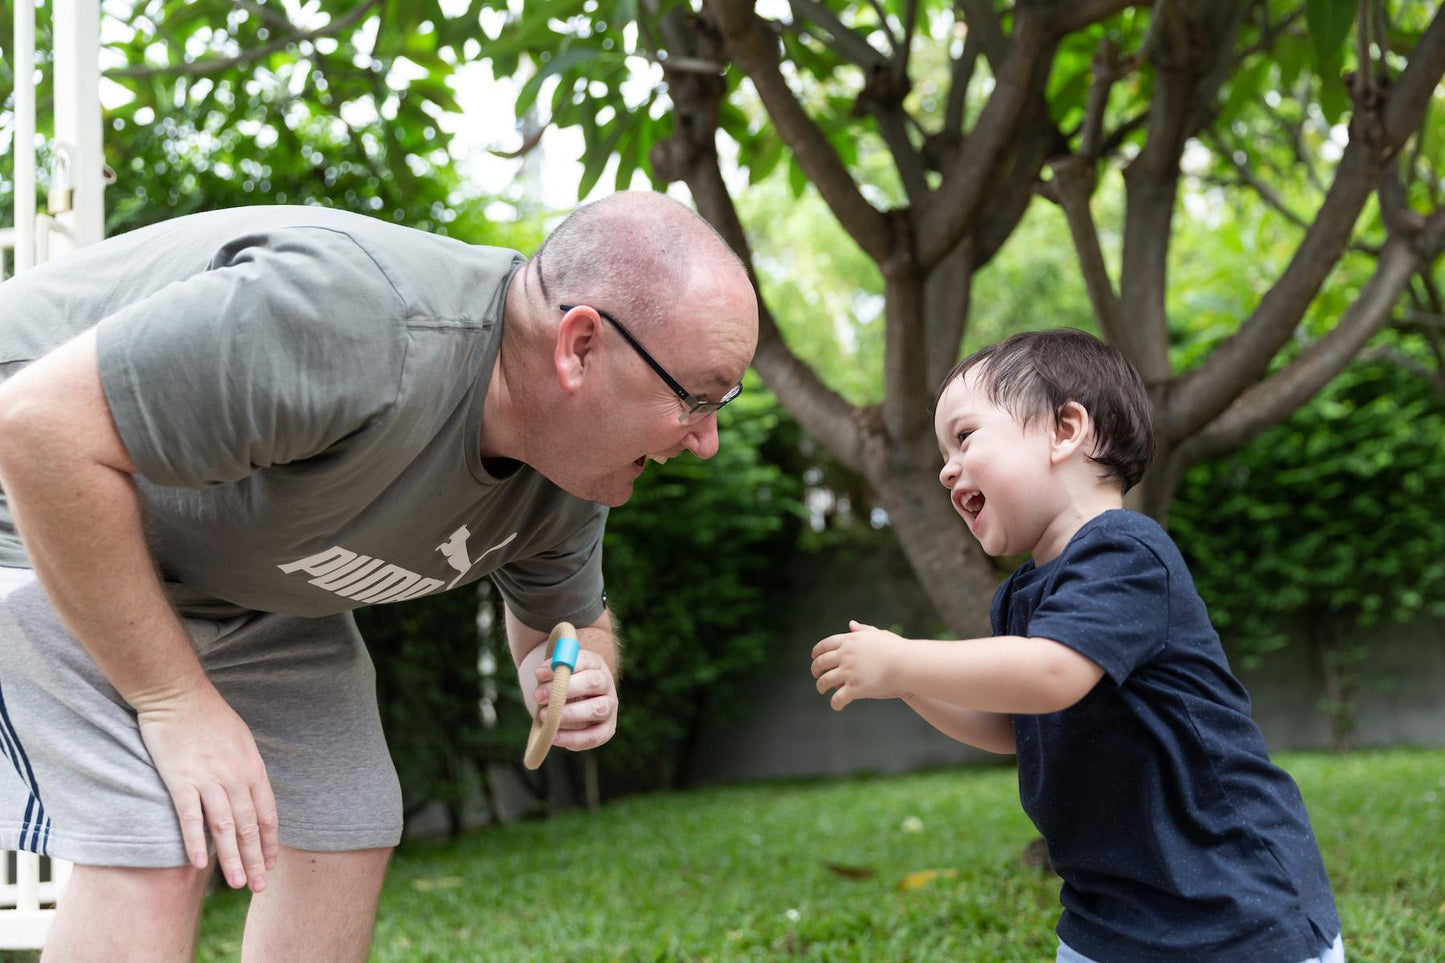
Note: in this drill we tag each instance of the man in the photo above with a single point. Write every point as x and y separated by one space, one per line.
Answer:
219 435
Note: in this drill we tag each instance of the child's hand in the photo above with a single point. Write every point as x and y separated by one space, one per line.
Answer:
859 664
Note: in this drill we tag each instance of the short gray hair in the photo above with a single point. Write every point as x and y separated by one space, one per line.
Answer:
629 254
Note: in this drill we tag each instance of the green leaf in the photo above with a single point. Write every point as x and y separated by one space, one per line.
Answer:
627 156
797 180
567 59
1334 98
1329 24
597 153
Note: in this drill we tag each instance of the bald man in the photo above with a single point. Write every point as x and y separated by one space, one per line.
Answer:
221 434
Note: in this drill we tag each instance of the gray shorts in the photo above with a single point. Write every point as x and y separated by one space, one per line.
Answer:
76 781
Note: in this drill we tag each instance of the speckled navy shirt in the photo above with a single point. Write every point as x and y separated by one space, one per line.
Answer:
1175 835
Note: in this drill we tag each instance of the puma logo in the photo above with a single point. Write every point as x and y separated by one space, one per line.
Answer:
454 549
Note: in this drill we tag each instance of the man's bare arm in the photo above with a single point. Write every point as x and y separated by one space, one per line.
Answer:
68 481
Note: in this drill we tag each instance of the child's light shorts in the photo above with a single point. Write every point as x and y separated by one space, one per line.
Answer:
1335 954
76 782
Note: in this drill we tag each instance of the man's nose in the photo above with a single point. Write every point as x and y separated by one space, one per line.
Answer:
702 438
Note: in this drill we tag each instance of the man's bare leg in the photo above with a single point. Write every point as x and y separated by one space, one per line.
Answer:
114 914
316 906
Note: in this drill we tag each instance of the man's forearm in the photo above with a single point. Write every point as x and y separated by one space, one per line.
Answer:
601 637
82 530
68 483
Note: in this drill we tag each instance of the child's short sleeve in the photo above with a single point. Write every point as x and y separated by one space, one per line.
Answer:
1108 601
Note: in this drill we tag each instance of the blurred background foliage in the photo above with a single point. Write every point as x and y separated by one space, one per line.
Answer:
1338 510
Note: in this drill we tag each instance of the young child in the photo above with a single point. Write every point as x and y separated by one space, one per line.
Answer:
1175 836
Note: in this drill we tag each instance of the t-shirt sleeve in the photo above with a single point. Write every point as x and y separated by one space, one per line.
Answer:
291 341
563 583
1109 603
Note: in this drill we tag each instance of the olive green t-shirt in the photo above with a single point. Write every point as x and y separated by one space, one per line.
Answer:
302 390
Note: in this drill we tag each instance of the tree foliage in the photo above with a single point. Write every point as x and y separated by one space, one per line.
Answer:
1328 523
223 104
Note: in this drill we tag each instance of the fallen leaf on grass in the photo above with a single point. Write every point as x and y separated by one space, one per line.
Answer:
921 878
851 872
438 882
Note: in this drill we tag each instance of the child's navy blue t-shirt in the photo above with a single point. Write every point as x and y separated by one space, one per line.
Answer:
1174 834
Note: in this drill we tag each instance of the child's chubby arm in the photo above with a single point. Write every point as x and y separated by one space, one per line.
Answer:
1004 674
990 731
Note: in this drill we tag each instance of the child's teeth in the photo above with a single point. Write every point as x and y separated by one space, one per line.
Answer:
659 460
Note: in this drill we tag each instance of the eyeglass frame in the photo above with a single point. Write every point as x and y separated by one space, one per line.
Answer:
696 407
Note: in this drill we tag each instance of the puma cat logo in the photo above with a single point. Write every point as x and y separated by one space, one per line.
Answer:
454 549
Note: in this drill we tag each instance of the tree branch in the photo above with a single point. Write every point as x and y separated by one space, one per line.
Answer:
982 21
905 156
1017 95
844 40
755 51
1200 395
1084 13
1072 186
1004 207
200 68
905 50
883 25
946 299
1271 402
962 76
1187 53
905 350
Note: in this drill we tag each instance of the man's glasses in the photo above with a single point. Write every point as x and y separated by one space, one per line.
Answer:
697 408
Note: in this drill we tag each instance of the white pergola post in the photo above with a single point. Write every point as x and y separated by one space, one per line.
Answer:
79 157
23 143
26 902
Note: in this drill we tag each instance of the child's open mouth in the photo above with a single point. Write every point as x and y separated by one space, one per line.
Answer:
970 505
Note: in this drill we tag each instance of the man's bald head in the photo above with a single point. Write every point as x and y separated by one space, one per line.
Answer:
636 254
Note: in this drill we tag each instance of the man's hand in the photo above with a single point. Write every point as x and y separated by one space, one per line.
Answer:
590 717
208 760
859 663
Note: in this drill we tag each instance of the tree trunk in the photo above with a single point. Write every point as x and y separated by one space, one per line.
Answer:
1338 662
958 577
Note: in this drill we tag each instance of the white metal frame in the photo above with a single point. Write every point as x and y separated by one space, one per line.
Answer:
27 901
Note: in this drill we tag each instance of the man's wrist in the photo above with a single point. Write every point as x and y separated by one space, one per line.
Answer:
183 687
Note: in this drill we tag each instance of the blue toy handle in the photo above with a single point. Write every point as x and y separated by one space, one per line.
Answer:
565 652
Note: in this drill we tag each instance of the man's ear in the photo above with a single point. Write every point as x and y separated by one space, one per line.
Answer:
1073 432
575 351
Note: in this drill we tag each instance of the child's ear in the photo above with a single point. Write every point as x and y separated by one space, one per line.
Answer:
1073 432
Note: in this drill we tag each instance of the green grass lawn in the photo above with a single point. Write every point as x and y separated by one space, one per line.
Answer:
919 867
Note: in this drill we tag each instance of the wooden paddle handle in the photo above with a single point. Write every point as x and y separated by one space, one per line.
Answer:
562 646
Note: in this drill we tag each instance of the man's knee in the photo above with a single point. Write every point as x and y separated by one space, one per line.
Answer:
171 888
126 915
